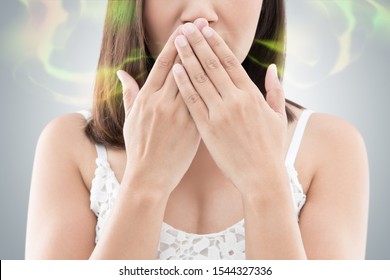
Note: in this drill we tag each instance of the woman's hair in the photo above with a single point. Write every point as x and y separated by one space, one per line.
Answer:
123 47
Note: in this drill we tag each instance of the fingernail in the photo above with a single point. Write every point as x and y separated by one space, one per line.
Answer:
274 71
207 32
201 23
177 69
121 75
188 28
181 41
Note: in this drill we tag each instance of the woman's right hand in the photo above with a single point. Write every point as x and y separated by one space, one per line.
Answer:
160 136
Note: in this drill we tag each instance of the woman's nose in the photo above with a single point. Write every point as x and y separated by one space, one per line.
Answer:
199 9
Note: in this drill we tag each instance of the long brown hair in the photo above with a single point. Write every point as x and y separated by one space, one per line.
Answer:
123 47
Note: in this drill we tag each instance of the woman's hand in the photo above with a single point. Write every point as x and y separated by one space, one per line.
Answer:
160 135
244 133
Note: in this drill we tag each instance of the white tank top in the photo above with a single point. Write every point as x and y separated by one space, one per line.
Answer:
177 244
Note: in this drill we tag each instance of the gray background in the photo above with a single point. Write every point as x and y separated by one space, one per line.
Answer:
337 63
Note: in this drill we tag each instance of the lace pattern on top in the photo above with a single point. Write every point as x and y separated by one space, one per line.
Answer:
174 243
177 244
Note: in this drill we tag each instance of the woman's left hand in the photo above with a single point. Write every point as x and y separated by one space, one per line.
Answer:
244 132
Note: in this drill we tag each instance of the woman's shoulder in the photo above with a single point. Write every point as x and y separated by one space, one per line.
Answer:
332 131
66 130
65 135
329 144
334 143
326 130
338 189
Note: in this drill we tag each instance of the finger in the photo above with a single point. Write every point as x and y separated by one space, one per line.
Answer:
197 75
130 90
170 87
192 99
182 110
163 63
207 58
227 58
201 23
275 94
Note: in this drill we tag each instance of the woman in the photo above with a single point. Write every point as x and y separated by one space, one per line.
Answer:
200 156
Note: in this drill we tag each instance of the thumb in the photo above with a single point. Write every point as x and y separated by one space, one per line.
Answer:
130 90
275 94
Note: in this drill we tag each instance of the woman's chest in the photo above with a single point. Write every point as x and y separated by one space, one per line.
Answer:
210 207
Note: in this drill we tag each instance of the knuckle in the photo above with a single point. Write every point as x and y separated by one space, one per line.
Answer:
212 64
236 106
160 110
193 98
219 116
230 62
198 40
214 42
164 62
187 53
220 119
183 82
201 78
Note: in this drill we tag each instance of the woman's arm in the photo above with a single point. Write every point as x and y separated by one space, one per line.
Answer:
246 135
271 226
333 222
161 141
132 231
334 219
60 223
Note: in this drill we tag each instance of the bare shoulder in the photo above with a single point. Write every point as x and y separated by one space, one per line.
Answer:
338 154
331 149
65 130
65 136
333 221
335 138
59 199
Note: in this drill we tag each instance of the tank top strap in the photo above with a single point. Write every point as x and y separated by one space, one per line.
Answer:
100 149
297 137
